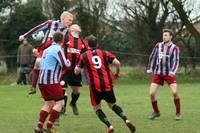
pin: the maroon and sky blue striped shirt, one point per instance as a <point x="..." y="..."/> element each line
<point x="164" y="59"/>
<point x="50" y="27"/>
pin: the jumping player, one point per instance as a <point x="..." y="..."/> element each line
<point x="73" y="50"/>
<point x="101" y="81"/>
<point x="165" y="60"/>
<point x="50" y="26"/>
<point x="53" y="60"/>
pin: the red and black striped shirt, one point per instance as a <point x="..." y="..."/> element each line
<point x="73" y="49"/>
<point x="97" y="66"/>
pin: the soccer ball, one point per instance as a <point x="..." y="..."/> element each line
<point x="62" y="82"/>
<point x="39" y="36"/>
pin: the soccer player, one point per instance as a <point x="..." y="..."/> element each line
<point x="101" y="81"/>
<point x="73" y="50"/>
<point x="50" y="26"/>
<point x="165" y="60"/>
<point x="53" y="60"/>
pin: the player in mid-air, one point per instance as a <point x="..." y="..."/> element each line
<point x="101" y="81"/>
<point x="51" y="64"/>
<point x="73" y="50"/>
<point x="165" y="60"/>
<point x="50" y="26"/>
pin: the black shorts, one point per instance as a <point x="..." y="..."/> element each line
<point x="96" y="97"/>
<point x="69" y="78"/>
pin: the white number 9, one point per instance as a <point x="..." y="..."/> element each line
<point x="97" y="61"/>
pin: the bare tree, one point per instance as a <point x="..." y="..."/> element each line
<point x="144" y="21"/>
<point x="91" y="16"/>
<point x="53" y="8"/>
<point x="193" y="47"/>
<point x="178" y="5"/>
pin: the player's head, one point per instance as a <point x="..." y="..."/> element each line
<point x="58" y="37"/>
<point x="75" y="30"/>
<point x="66" y="19"/>
<point x="167" y="35"/>
<point x="92" y="41"/>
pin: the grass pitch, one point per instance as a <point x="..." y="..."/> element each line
<point x="19" y="112"/>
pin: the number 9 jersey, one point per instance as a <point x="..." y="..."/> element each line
<point x="97" y="66"/>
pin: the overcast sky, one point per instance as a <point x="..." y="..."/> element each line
<point x="195" y="5"/>
<point x="191" y="4"/>
<point x="115" y="11"/>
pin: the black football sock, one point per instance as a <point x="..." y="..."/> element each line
<point x="103" y="117"/>
<point x="65" y="101"/>
<point x="119" y="112"/>
<point x="74" y="98"/>
<point x="65" y="97"/>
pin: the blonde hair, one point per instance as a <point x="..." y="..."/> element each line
<point x="66" y="14"/>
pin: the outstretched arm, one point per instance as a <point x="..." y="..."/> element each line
<point x="36" y="29"/>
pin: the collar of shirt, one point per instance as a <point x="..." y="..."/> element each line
<point x="54" y="43"/>
<point x="167" y="44"/>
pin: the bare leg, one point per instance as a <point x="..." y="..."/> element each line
<point x="153" y="91"/>
<point x="176" y="97"/>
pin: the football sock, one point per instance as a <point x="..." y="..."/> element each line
<point x="65" y="101"/>
<point x="74" y="98"/>
<point x="42" y="117"/>
<point x="155" y="106"/>
<point x="177" y="104"/>
<point x="118" y="110"/>
<point x="35" y="77"/>
<point x="103" y="117"/>
<point x="53" y="116"/>
<point x="65" y="98"/>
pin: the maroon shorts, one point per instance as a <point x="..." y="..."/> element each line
<point x="51" y="92"/>
<point x="159" y="79"/>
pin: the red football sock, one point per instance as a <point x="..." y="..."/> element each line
<point x="155" y="106"/>
<point x="53" y="116"/>
<point x="35" y="77"/>
<point x="42" y="118"/>
<point x="178" y="106"/>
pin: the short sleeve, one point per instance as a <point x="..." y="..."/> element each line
<point x="110" y="57"/>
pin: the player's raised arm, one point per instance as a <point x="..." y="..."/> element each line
<point x="152" y="59"/>
<point x="175" y="60"/>
<point x="36" y="29"/>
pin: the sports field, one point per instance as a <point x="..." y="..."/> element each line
<point x="19" y="112"/>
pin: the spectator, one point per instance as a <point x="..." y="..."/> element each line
<point x="24" y="60"/>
